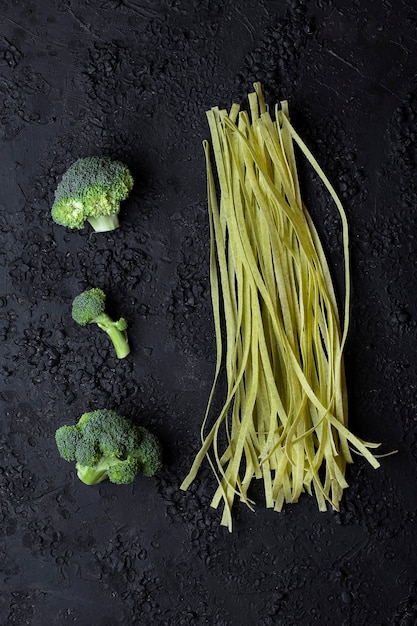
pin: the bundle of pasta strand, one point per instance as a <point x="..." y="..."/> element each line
<point x="279" y="337"/>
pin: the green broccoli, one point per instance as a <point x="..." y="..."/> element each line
<point x="89" y="307"/>
<point x="91" y="190"/>
<point x="106" y="445"/>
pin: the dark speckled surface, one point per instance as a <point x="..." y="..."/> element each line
<point x="133" y="79"/>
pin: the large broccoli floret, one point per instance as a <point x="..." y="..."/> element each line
<point x="91" y="190"/>
<point x="104" y="445"/>
<point x="89" y="307"/>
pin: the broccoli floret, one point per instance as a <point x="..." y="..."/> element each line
<point x="89" y="307"/>
<point x="91" y="190"/>
<point x="150" y="453"/>
<point x="105" y="445"/>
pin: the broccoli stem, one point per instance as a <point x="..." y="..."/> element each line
<point x="91" y="475"/>
<point x="104" y="223"/>
<point x="118" y="337"/>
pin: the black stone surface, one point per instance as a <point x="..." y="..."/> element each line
<point x="133" y="79"/>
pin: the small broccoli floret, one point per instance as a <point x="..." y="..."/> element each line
<point x="91" y="190"/>
<point x="89" y="308"/>
<point x="67" y="440"/>
<point x="149" y="454"/>
<point x="105" y="445"/>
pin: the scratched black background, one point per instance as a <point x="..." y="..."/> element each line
<point x="133" y="79"/>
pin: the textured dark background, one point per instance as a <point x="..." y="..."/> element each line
<point x="132" y="79"/>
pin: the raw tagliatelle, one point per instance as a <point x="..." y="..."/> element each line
<point x="278" y="333"/>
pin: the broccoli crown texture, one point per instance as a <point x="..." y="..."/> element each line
<point x="91" y="190"/>
<point x="106" y="445"/>
<point x="88" y="306"/>
<point x="150" y="452"/>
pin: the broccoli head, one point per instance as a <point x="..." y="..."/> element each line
<point x="91" y="190"/>
<point x="105" y="445"/>
<point x="89" y="308"/>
